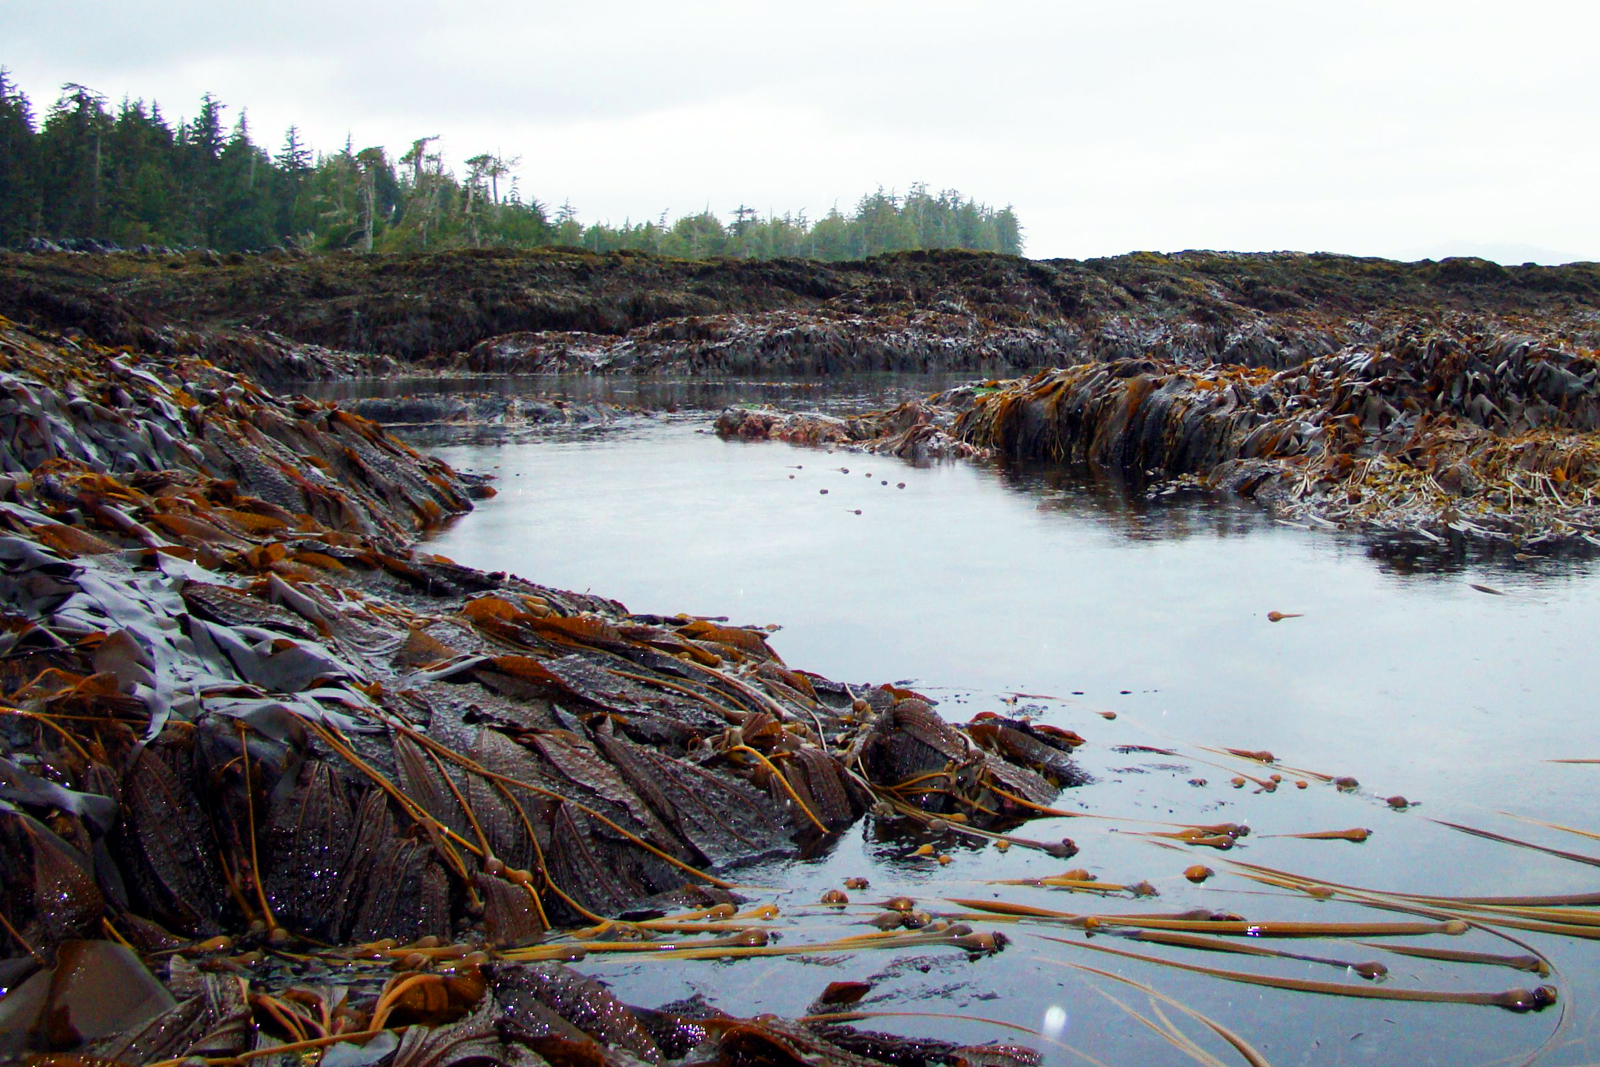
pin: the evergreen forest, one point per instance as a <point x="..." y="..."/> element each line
<point x="128" y="175"/>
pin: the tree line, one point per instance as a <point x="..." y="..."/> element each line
<point x="127" y="175"/>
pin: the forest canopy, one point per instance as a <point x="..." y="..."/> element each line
<point x="127" y="175"/>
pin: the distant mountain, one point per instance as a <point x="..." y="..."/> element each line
<point x="1505" y="253"/>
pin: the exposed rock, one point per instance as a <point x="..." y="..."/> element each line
<point x="915" y="431"/>
<point x="502" y="310"/>
<point x="812" y="343"/>
<point x="480" y="409"/>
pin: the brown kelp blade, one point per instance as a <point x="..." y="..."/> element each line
<point x="1593" y="861"/>
<point x="1266" y="784"/>
<point x="1553" y="826"/>
<point x="1245" y="1049"/>
<point x="1195" y="840"/>
<point x="1356" y="834"/>
<point x="1077" y="885"/>
<point x="1523" y="962"/>
<point x="1511" y="999"/>
<point x="755" y="942"/>
<point x="1163" y="1028"/>
<point x="1219" y="927"/>
<point x="1292" y="880"/>
<point x="1001" y="907"/>
<point x="1365" y="969"/>
<point x="1446" y="908"/>
<point x="1258" y="755"/>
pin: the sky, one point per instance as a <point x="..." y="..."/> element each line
<point x="1401" y="129"/>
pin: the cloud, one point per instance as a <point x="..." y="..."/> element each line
<point x="1363" y="127"/>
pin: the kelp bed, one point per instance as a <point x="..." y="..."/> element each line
<point x="257" y="742"/>
<point x="1459" y="425"/>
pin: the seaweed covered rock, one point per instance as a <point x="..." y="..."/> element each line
<point x="1461" y="425"/>
<point x="98" y="1001"/>
<point x="239" y="702"/>
<point x="819" y="342"/>
<point x="1446" y="426"/>
<point x="466" y="410"/>
<point x="504" y="310"/>
<point x="916" y="431"/>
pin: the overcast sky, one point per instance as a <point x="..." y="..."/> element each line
<point x="1403" y="129"/>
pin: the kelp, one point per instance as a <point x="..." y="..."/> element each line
<point x="100" y="1001"/>
<point x="1519" y="1000"/>
<point x="1436" y="426"/>
<point x="1470" y="425"/>
<point x="915" y="431"/>
<point x="275" y="734"/>
<point x="252" y="714"/>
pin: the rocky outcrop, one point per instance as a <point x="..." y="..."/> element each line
<point x="1436" y="428"/>
<point x="812" y="344"/>
<point x="482" y="409"/>
<point x="918" y="432"/>
<point x="1429" y="426"/>
<point x="501" y="310"/>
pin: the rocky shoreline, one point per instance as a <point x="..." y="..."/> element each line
<point x="519" y="312"/>
<point x="274" y="778"/>
<point x="248" y="719"/>
<point x="1444" y="398"/>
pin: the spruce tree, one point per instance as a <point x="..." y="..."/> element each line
<point x="19" y="165"/>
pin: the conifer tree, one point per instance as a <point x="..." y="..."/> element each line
<point x="134" y="178"/>
<point x="72" y="164"/>
<point x="19" y="165"/>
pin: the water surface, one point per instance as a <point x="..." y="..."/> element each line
<point x="995" y="588"/>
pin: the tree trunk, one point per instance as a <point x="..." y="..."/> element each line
<point x="368" y="195"/>
<point x="94" y="208"/>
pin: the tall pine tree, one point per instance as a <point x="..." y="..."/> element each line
<point x="19" y="165"/>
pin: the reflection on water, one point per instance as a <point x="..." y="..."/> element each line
<point x="1156" y="512"/>
<point x="978" y="582"/>
<point x="846" y="393"/>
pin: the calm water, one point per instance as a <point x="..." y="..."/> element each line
<point x="976" y="583"/>
<point x="656" y="393"/>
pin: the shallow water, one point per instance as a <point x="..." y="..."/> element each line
<point x="975" y="583"/>
<point x="655" y="393"/>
